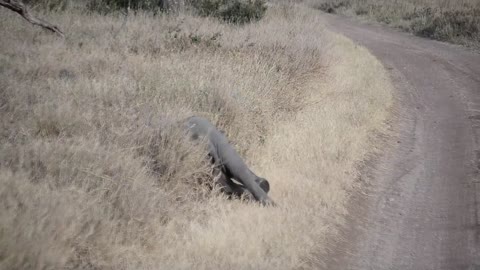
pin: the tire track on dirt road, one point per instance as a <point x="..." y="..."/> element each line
<point x="423" y="207"/>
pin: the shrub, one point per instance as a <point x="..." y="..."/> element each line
<point x="110" y="5"/>
<point x="361" y="10"/>
<point x="234" y="11"/>
<point x="452" y="21"/>
<point x="49" y="4"/>
<point x="242" y="12"/>
<point x="206" y="7"/>
<point x="447" y="25"/>
<point x="104" y="6"/>
<point x="331" y="7"/>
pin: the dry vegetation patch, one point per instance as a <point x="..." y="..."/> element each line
<point x="95" y="172"/>
<point x="456" y="21"/>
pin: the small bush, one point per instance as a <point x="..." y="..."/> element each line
<point x="234" y="11"/>
<point x="242" y="12"/>
<point x="447" y="26"/>
<point x="104" y="6"/>
<point x="111" y="5"/>
<point x="331" y="7"/>
<point x="452" y="21"/>
<point x="52" y="5"/>
<point x="207" y="7"/>
<point x="361" y="10"/>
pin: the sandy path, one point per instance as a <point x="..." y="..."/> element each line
<point x="422" y="210"/>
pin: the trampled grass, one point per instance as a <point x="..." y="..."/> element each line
<point x="95" y="172"/>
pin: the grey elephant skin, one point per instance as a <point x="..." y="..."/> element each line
<point x="228" y="163"/>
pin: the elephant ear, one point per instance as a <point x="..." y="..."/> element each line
<point x="263" y="183"/>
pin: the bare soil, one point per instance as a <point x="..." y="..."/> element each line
<point x="421" y="208"/>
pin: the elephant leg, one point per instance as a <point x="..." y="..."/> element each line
<point x="241" y="191"/>
<point x="231" y="188"/>
<point x="222" y="181"/>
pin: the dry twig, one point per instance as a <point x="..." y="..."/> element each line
<point x="20" y="8"/>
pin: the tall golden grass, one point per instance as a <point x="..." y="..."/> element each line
<point x="456" y="21"/>
<point x="95" y="172"/>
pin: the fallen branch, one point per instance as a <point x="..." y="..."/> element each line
<point x="20" y="8"/>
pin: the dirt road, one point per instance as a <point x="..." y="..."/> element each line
<point x="422" y="207"/>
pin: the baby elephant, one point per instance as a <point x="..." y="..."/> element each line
<point x="228" y="164"/>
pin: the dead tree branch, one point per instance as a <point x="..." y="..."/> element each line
<point x="20" y="8"/>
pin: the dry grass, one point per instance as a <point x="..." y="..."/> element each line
<point x="456" y="21"/>
<point x="95" y="173"/>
